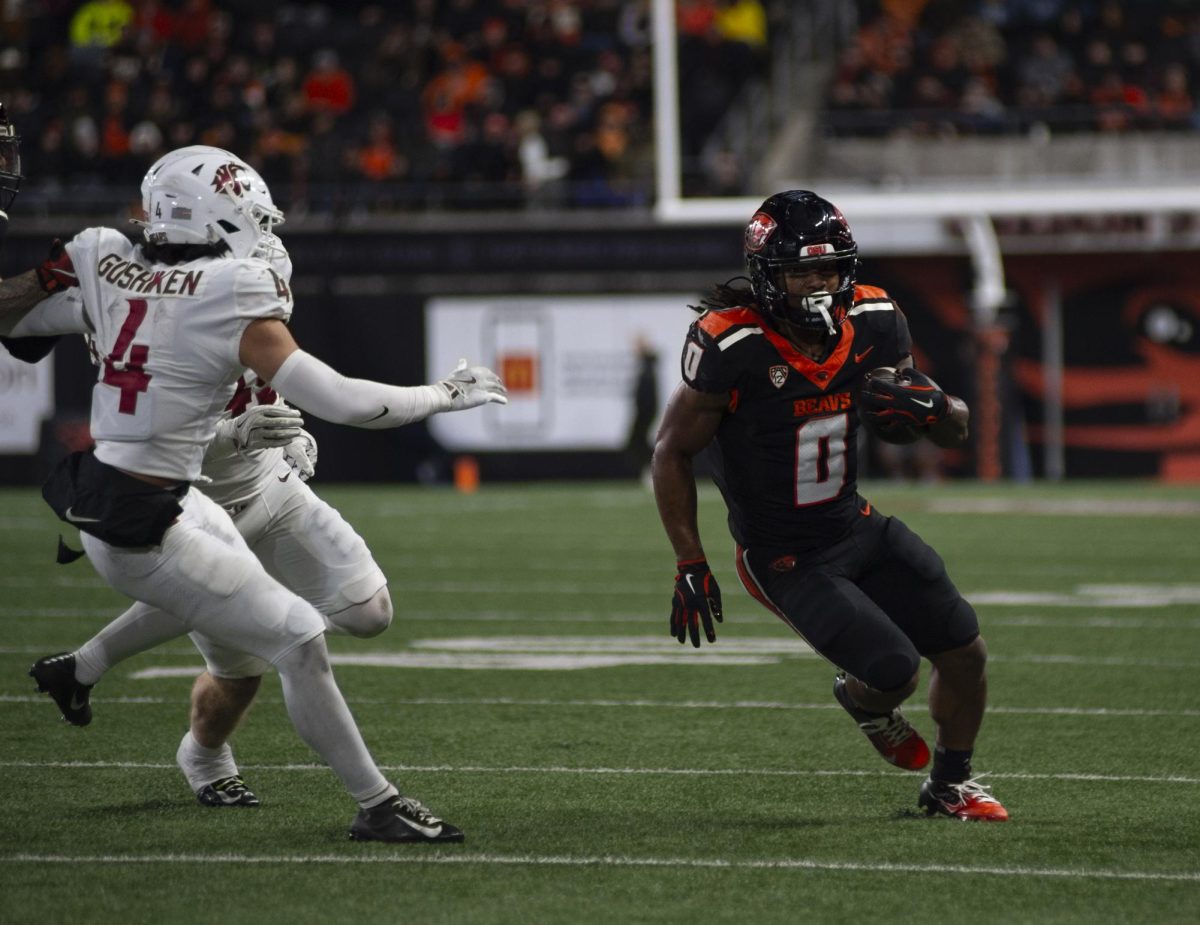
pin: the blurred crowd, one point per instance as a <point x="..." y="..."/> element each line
<point x="355" y="105"/>
<point x="945" y="67"/>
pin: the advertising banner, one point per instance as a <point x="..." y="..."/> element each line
<point x="583" y="372"/>
<point x="26" y="399"/>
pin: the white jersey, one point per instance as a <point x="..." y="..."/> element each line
<point x="168" y="339"/>
<point x="237" y="476"/>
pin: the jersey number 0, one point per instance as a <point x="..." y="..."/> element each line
<point x="821" y="459"/>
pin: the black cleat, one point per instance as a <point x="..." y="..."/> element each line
<point x="402" y="819"/>
<point x="228" y="791"/>
<point x="55" y="675"/>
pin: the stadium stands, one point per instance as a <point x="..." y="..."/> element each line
<point x="495" y="104"/>
<point x="354" y="106"/>
<point x="927" y="67"/>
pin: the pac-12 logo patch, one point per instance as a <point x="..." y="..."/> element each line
<point x="758" y="231"/>
<point x="778" y="376"/>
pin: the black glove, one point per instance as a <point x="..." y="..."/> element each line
<point x="57" y="272"/>
<point x="697" y="600"/>
<point x="909" y="399"/>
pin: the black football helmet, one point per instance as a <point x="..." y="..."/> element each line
<point x="799" y="229"/>
<point x="10" y="161"/>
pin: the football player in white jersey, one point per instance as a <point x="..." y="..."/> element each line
<point x="302" y="541"/>
<point x="176" y="320"/>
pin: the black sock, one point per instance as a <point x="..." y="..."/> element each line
<point x="951" y="766"/>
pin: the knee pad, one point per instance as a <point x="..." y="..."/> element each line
<point x="891" y="671"/>
<point x="370" y="618"/>
<point x="962" y="626"/>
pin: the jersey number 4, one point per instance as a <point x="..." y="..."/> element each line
<point x="128" y="375"/>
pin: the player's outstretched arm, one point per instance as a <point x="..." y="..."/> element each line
<point x="268" y="348"/>
<point x="19" y="295"/>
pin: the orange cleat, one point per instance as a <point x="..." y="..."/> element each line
<point x="968" y="801"/>
<point x="892" y="735"/>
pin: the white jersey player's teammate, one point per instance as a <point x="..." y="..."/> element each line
<point x="177" y="320"/>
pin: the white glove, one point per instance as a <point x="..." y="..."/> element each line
<point x="301" y="455"/>
<point x="262" y="426"/>
<point x="472" y="386"/>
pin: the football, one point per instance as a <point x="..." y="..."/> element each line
<point x="890" y="433"/>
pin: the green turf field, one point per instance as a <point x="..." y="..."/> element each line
<point x="529" y="692"/>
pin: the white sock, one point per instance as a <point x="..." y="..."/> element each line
<point x="321" y="717"/>
<point x="137" y="630"/>
<point x="202" y="766"/>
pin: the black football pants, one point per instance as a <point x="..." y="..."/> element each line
<point x="873" y="603"/>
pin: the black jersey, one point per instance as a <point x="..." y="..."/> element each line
<point x="785" y="454"/>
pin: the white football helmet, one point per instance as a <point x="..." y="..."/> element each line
<point x="203" y="195"/>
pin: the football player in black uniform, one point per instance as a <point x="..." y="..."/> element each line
<point x="775" y="377"/>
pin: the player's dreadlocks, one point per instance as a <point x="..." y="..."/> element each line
<point x="171" y="254"/>
<point x="726" y="295"/>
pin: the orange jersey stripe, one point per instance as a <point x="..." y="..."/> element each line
<point x="869" y="292"/>
<point x="716" y="323"/>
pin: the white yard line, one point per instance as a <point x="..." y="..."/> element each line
<point x="1092" y="596"/>
<point x="1070" y="507"/>
<point x="619" y="772"/>
<point x="646" y="619"/>
<point x="541" y="661"/>
<point x="1102" y="712"/>
<point x="526" y="860"/>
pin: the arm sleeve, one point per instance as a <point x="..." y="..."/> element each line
<point x="61" y="313"/>
<point x="321" y="390"/>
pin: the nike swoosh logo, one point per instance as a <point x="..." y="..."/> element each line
<point x="284" y="478"/>
<point x="76" y="703"/>
<point x="859" y="357"/>
<point x="927" y="403"/>
<point x="689" y="579"/>
<point x="866" y="511"/>
<point x="76" y="519"/>
<point x="427" y="831"/>
<point x="382" y="413"/>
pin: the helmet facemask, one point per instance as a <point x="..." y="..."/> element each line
<point x="823" y="310"/>
<point x="271" y="249"/>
